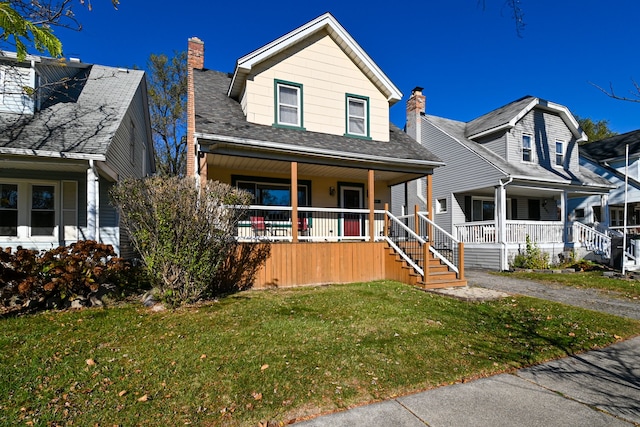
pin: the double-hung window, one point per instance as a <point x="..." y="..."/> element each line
<point x="288" y="104"/>
<point x="527" y="148"/>
<point x="559" y="153"/>
<point x="357" y="115"/>
<point x="43" y="210"/>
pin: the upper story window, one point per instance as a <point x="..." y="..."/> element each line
<point x="527" y="148"/>
<point x="357" y="115"/>
<point x="288" y="104"/>
<point x="559" y="153"/>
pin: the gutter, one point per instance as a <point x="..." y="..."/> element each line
<point x="52" y="154"/>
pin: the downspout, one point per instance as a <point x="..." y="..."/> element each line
<point x="504" y="260"/>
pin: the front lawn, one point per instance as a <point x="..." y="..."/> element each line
<point x="617" y="287"/>
<point x="273" y="355"/>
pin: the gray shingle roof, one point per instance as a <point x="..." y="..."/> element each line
<point x="612" y="148"/>
<point x="217" y="114"/>
<point x="83" y="123"/>
<point x="581" y="177"/>
<point x="498" y="117"/>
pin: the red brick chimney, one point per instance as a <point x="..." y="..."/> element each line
<point x="195" y="60"/>
<point x="416" y="105"/>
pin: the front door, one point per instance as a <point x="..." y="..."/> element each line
<point x="351" y="197"/>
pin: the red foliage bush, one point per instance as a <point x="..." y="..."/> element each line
<point x="64" y="273"/>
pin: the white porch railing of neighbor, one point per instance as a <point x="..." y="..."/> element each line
<point x="515" y="232"/>
<point x="590" y="238"/>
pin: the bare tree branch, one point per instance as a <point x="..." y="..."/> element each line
<point x="635" y="96"/>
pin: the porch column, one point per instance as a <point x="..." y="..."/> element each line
<point x="294" y="201"/>
<point x="93" y="203"/>
<point x="372" y="195"/>
<point x="604" y="210"/>
<point x="501" y="224"/>
<point x="563" y="217"/>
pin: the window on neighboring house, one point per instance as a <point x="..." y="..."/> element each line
<point x="483" y="210"/>
<point x="43" y="212"/>
<point x="8" y="210"/>
<point x="441" y="205"/>
<point x="288" y="104"/>
<point x="559" y="153"/>
<point x="35" y="209"/>
<point x="527" y="148"/>
<point x="357" y="115"/>
<point x="580" y="213"/>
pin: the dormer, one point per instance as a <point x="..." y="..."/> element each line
<point x="315" y="78"/>
<point x="17" y="86"/>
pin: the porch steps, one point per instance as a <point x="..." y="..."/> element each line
<point x="439" y="275"/>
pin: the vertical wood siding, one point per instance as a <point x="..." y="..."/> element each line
<point x="311" y="263"/>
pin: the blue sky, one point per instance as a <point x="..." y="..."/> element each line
<point x="469" y="59"/>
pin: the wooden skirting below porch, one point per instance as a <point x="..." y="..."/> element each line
<point x="315" y="263"/>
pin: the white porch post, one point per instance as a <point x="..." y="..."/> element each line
<point x="563" y="217"/>
<point x="604" y="210"/>
<point x="93" y="203"/>
<point x="501" y="224"/>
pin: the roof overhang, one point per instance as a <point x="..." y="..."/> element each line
<point x="51" y="154"/>
<point x="229" y="145"/>
<point x="326" y="22"/>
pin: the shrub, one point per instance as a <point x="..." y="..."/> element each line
<point x="183" y="233"/>
<point x="61" y="275"/>
<point x="532" y="257"/>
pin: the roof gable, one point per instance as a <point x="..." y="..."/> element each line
<point x="327" y="23"/>
<point x="506" y="117"/>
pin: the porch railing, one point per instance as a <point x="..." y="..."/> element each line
<point x="590" y="238"/>
<point x="313" y="224"/>
<point x="442" y="244"/>
<point x="515" y="232"/>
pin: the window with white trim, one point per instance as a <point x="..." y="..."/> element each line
<point x="288" y="104"/>
<point x="8" y="210"/>
<point x="357" y="115"/>
<point x="34" y="209"/>
<point x="559" y="153"/>
<point x="441" y="205"/>
<point x="527" y="148"/>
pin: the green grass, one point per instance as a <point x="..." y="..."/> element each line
<point x="617" y="287"/>
<point x="273" y="355"/>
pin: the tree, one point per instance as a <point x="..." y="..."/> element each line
<point x="595" y="130"/>
<point x="167" y="78"/>
<point x="26" y="23"/>
<point x="517" y="13"/>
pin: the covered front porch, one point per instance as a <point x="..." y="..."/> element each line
<point x="501" y="221"/>
<point x="337" y="227"/>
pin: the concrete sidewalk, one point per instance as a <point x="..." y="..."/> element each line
<point x="597" y="388"/>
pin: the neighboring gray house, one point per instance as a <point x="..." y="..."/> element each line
<point x="69" y="130"/>
<point x="607" y="158"/>
<point x="509" y="175"/>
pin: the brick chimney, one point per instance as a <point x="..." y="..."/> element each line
<point x="195" y="60"/>
<point x="416" y="105"/>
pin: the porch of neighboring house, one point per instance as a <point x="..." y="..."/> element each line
<point x="337" y="228"/>
<point x="498" y="227"/>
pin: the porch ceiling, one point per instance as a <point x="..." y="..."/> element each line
<point x="304" y="169"/>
